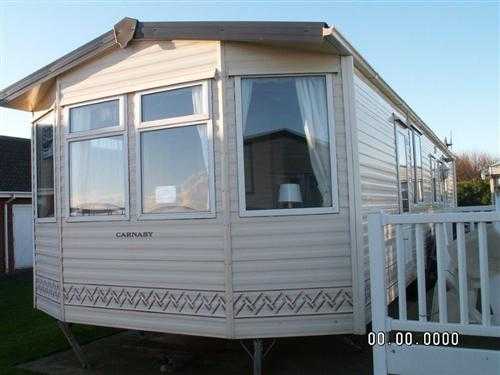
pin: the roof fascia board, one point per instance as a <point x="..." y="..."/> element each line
<point x="311" y="32"/>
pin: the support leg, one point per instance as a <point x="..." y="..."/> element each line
<point x="74" y="344"/>
<point x="257" y="357"/>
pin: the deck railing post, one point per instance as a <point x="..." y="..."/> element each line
<point x="378" y="288"/>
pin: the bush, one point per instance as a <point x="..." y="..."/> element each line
<point x="473" y="193"/>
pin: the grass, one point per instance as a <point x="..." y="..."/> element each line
<point x="27" y="334"/>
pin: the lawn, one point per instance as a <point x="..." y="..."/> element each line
<point x="27" y="334"/>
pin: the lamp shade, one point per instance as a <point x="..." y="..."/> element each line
<point x="290" y="193"/>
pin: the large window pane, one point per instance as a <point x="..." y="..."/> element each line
<point x="286" y="143"/>
<point x="94" y="116"/>
<point x="175" y="170"/>
<point x="173" y="103"/>
<point x="97" y="177"/>
<point x="45" y="170"/>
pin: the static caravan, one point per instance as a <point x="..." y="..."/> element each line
<point x="214" y="178"/>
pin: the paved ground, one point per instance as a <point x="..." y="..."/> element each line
<point x="135" y="353"/>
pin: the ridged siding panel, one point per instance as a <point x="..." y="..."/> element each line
<point x="291" y="274"/>
<point x="47" y="269"/>
<point x="140" y="66"/>
<point x="174" y="281"/>
<point x="378" y="173"/>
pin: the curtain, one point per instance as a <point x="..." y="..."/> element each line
<point x="202" y="132"/>
<point x="246" y="99"/>
<point x="95" y="116"/>
<point x="80" y="119"/>
<point x="97" y="176"/>
<point x="197" y="99"/>
<point x="313" y="108"/>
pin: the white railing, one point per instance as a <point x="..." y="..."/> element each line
<point x="469" y="246"/>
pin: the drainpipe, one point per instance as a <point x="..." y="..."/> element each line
<point x="6" y="231"/>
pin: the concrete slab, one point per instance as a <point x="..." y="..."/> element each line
<point x="132" y="352"/>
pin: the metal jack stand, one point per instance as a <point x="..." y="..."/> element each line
<point x="258" y="354"/>
<point x="74" y="344"/>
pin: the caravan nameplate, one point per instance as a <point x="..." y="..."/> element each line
<point x="125" y="235"/>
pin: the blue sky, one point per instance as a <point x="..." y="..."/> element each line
<point x="442" y="57"/>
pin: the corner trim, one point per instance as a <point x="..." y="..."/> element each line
<point x="355" y="204"/>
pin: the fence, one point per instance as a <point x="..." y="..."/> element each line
<point x="456" y="247"/>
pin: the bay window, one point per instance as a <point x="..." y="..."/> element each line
<point x="44" y="166"/>
<point x="97" y="164"/>
<point x="285" y="149"/>
<point x="175" y="178"/>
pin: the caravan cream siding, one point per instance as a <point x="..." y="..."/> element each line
<point x="140" y="66"/>
<point x="47" y="269"/>
<point x="291" y="274"/>
<point x="378" y="174"/>
<point x="175" y="281"/>
<point x="47" y="251"/>
<point x="377" y="166"/>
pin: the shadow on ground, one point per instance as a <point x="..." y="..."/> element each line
<point x="132" y="352"/>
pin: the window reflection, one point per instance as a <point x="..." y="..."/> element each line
<point x="94" y="116"/>
<point x="286" y="142"/>
<point x="402" y="150"/>
<point x="45" y="170"/>
<point x="172" y="103"/>
<point x="97" y="177"/>
<point x="175" y="173"/>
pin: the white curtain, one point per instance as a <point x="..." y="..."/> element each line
<point x="80" y="119"/>
<point x="197" y="98"/>
<point x="202" y="132"/>
<point x="313" y="108"/>
<point x="246" y="99"/>
<point x="94" y="116"/>
<point x="97" y="175"/>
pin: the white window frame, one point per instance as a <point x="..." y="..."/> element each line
<point x="435" y="183"/>
<point x="400" y="127"/>
<point x="171" y="123"/>
<point x="122" y="114"/>
<point x="112" y="131"/>
<point x="203" y="117"/>
<point x="416" y="135"/>
<point x="40" y="120"/>
<point x="334" y="209"/>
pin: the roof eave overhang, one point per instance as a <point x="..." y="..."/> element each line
<point x="25" y="93"/>
<point x="337" y="39"/>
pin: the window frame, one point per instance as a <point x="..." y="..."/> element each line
<point x="48" y="219"/>
<point x="419" y="180"/>
<point x="334" y="208"/>
<point x="112" y="131"/>
<point x="171" y="123"/>
<point x="401" y="128"/>
<point x="122" y="113"/>
<point x="435" y="179"/>
<point x="203" y="117"/>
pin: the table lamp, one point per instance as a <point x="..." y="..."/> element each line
<point x="290" y="194"/>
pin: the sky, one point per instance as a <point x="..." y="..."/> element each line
<point x="441" y="57"/>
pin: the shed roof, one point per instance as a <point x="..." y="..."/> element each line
<point x="25" y="93"/>
<point x="15" y="175"/>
